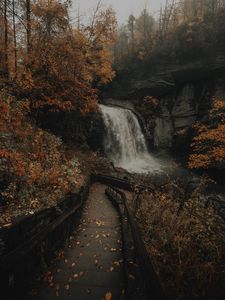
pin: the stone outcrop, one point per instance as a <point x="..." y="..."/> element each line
<point x="184" y="93"/>
<point x="178" y="112"/>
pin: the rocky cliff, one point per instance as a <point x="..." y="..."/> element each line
<point x="185" y="93"/>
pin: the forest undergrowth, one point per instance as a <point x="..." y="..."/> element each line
<point x="48" y="65"/>
<point x="35" y="170"/>
<point x="184" y="236"/>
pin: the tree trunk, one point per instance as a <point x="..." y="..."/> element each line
<point x="14" y="39"/>
<point x="6" y="59"/>
<point x="28" y="16"/>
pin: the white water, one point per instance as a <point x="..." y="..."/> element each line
<point x="125" y="143"/>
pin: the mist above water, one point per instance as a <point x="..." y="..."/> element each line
<point x="125" y="143"/>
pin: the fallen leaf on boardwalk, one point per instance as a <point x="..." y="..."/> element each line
<point x="61" y="254"/>
<point x="81" y="274"/>
<point x="108" y="296"/>
<point x="99" y="223"/>
<point x="48" y="277"/>
<point x="66" y="261"/>
<point x="131" y="276"/>
<point x="75" y="276"/>
<point x="7" y="225"/>
<point x="67" y="287"/>
<point x="96" y="262"/>
<point x="113" y="250"/>
<point x="111" y="269"/>
<point x="34" y="292"/>
<point x="122" y="297"/>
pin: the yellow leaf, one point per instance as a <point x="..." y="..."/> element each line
<point x="108" y="296"/>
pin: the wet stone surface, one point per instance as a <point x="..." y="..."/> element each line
<point x="91" y="265"/>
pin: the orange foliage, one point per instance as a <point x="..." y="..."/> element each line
<point x="32" y="159"/>
<point x="59" y="69"/>
<point x="152" y="102"/>
<point x="65" y="65"/>
<point x="209" y="143"/>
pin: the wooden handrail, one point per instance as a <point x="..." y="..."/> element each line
<point x="9" y="259"/>
<point x="151" y="282"/>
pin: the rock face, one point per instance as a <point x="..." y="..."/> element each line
<point x="95" y="132"/>
<point x="163" y="132"/>
<point x="178" y="112"/>
<point x="185" y="94"/>
<point x="184" y="111"/>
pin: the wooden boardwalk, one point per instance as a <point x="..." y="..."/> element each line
<point x="91" y="265"/>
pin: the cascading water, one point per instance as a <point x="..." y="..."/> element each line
<point x="125" y="143"/>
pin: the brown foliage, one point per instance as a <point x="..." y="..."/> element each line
<point x="32" y="161"/>
<point x="62" y="65"/>
<point x="209" y="143"/>
<point x="186" y="244"/>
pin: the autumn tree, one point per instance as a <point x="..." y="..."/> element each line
<point x="48" y="67"/>
<point x="135" y="39"/>
<point x="28" y="24"/>
<point x="12" y="25"/>
<point x="121" y="48"/>
<point x="131" y="28"/>
<point x="32" y="161"/>
<point x="55" y="60"/>
<point x="66" y="65"/>
<point x="4" y="38"/>
<point x="145" y="32"/>
<point x="209" y="143"/>
<point x="185" y="30"/>
<point x="101" y="34"/>
<point x="14" y="36"/>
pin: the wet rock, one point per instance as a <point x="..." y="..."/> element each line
<point x="185" y="94"/>
<point x="95" y="132"/>
<point x="163" y="132"/>
<point x="184" y="112"/>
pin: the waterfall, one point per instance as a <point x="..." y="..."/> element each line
<point x="124" y="141"/>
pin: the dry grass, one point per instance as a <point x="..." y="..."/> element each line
<point x="187" y="244"/>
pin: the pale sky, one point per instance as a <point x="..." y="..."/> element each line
<point x="123" y="8"/>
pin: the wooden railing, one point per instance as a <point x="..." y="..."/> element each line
<point x="29" y="242"/>
<point x="150" y="282"/>
<point x="35" y="237"/>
